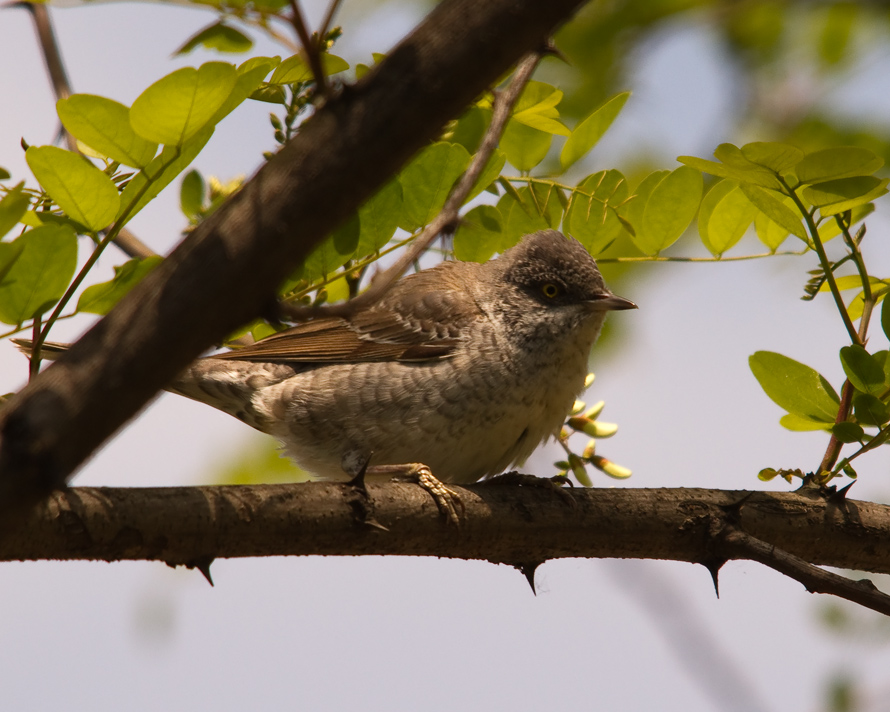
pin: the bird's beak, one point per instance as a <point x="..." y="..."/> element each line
<point x="610" y="302"/>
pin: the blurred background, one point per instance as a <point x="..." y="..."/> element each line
<point x="400" y="633"/>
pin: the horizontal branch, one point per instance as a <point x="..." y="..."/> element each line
<point x="225" y="273"/>
<point x="503" y="524"/>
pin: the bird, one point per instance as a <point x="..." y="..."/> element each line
<point x="457" y="373"/>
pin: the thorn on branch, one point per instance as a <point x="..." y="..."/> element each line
<point x="713" y="566"/>
<point x="838" y="496"/>
<point x="528" y="570"/>
<point x="203" y="565"/>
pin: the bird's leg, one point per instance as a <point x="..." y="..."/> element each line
<point x="447" y="500"/>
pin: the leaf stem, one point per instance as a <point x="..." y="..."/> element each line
<point x="823" y="260"/>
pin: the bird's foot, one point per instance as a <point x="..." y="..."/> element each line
<point x="447" y="500"/>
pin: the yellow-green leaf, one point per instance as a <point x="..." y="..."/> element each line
<point x="724" y="217"/>
<point x="772" y="205"/>
<point x="670" y="208"/>
<point x="838" y="162"/>
<point x="175" y="108"/>
<point x="12" y="207"/>
<point x="84" y="192"/>
<point x="104" y="126"/>
<point x="40" y="275"/>
<point x="587" y="133"/>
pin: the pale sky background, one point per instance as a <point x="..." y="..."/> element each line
<point x="406" y="634"/>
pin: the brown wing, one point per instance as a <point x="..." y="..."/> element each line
<point x="422" y="317"/>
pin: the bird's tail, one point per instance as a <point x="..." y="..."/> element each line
<point x="223" y="384"/>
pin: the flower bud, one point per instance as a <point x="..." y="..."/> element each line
<point x="610" y="468"/>
<point x="579" y="470"/>
<point x="595" y="410"/>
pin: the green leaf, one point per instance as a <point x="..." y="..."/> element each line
<point x="752" y="174"/>
<point x="778" y="157"/>
<point x="848" y="432"/>
<point x="524" y="146"/>
<point x="157" y="175"/>
<point x="219" y="37"/>
<point x="838" y="196"/>
<point x="470" y="128"/>
<point x="333" y="252"/>
<point x="800" y="424"/>
<point x="870" y="410"/>
<point x="839" y="162"/>
<point x="863" y="370"/>
<point x="295" y="69"/>
<point x="519" y="218"/>
<point x="588" y="219"/>
<point x="724" y="217"/>
<point x="772" y="205"/>
<point x="670" y="208"/>
<point x="795" y="387"/>
<point x="191" y="194"/>
<point x="100" y="298"/>
<point x="84" y="192"/>
<point x="427" y="180"/>
<point x="479" y="235"/>
<point x="104" y="126"/>
<point x="250" y="76"/>
<point x="12" y="207"/>
<point x="489" y="174"/>
<point x="269" y="93"/>
<point x="633" y="209"/>
<point x="885" y="317"/>
<point x="40" y="275"/>
<point x="379" y="217"/>
<point x="539" y="96"/>
<point x="175" y="108"/>
<point x="591" y="130"/>
<point x="542" y="123"/>
<point x="4" y="174"/>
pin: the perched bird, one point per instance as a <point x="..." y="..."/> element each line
<point x="464" y="368"/>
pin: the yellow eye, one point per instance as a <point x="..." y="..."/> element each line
<point x="550" y="290"/>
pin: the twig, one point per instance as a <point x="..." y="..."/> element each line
<point x="823" y="260"/>
<point x="131" y="245"/>
<point x="448" y="216"/>
<point x="51" y="57"/>
<point x="814" y="579"/>
<point x="313" y="56"/>
<point x="834" y="445"/>
<point x="662" y="258"/>
<point x="328" y="19"/>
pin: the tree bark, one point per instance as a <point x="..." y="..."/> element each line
<point x="502" y="524"/>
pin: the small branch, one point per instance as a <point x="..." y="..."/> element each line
<point x="449" y="215"/>
<point x="34" y="363"/>
<point x="328" y="19"/>
<point x="46" y="36"/>
<point x="823" y="260"/>
<point x="814" y="579"/>
<point x="834" y="445"/>
<point x="313" y="56"/>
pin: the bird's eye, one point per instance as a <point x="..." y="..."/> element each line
<point x="550" y="290"/>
